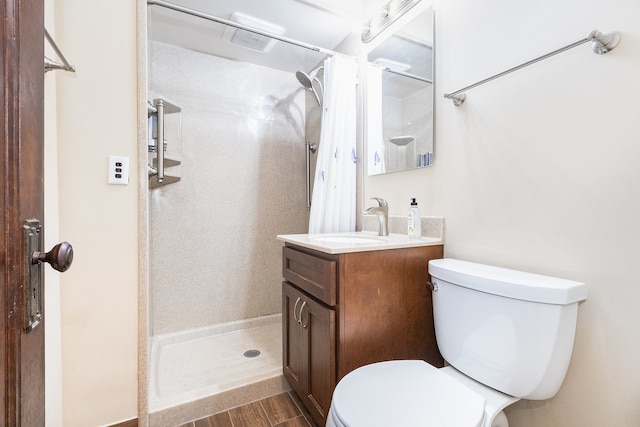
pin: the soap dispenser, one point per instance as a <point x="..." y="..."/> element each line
<point x="414" y="222"/>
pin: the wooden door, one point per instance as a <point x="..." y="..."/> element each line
<point x="21" y="168"/>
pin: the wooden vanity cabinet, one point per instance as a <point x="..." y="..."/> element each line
<point x="343" y="311"/>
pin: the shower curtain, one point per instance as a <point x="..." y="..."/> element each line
<point x="333" y="203"/>
<point x="375" y="140"/>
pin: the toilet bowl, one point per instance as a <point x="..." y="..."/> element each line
<point x="481" y="314"/>
<point x="412" y="393"/>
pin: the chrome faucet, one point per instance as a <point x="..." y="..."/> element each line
<point x="382" y="211"/>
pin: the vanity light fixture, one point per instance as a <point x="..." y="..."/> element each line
<point x="389" y="14"/>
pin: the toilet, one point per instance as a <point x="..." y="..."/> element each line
<point x="506" y="335"/>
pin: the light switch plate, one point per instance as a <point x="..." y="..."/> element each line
<point x="118" y="170"/>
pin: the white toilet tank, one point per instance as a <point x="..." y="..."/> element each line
<point x="507" y="329"/>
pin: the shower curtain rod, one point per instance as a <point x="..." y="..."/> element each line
<point x="409" y="75"/>
<point x="223" y="21"/>
<point x="602" y="43"/>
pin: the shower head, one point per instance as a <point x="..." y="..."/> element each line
<point x="304" y="79"/>
<point x="307" y="80"/>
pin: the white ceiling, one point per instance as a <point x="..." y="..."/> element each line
<point x="323" y="23"/>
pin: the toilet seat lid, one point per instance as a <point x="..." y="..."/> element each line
<point x="405" y="393"/>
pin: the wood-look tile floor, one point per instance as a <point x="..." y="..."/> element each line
<point x="281" y="410"/>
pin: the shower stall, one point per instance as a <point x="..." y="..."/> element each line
<point x="211" y="287"/>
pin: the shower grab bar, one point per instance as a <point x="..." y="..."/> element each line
<point x="160" y="141"/>
<point x="602" y="43"/>
<point x="50" y="65"/>
<point x="240" y="26"/>
<point x="159" y="108"/>
<point x="309" y="148"/>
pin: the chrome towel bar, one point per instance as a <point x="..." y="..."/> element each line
<point x="602" y="43"/>
<point x="53" y="65"/>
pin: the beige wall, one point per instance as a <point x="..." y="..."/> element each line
<point x="538" y="171"/>
<point x="96" y="117"/>
<point x="53" y="353"/>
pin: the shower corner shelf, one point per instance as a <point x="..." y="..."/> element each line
<point x="168" y="163"/>
<point x="168" y="179"/>
<point x="158" y="109"/>
<point x="169" y="108"/>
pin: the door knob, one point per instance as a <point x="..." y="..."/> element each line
<point x="59" y="257"/>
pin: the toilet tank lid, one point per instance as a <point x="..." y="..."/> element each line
<point x="508" y="283"/>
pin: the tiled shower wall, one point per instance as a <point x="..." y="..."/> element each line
<point x="214" y="256"/>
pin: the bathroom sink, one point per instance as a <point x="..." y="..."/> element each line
<point x="347" y="238"/>
<point x="357" y="241"/>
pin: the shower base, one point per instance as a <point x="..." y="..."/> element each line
<point x="211" y="369"/>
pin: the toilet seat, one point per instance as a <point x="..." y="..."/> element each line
<point x="403" y="393"/>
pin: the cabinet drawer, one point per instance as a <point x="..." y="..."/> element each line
<point x="314" y="275"/>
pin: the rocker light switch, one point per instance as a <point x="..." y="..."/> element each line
<point x="118" y="170"/>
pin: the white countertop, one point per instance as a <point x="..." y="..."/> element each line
<point x="360" y="241"/>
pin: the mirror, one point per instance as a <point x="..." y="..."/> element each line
<point x="399" y="95"/>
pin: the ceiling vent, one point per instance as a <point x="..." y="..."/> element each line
<point x="247" y="39"/>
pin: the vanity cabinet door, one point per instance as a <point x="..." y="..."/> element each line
<point x="292" y="337"/>
<point x="318" y="323"/>
<point x="309" y="350"/>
